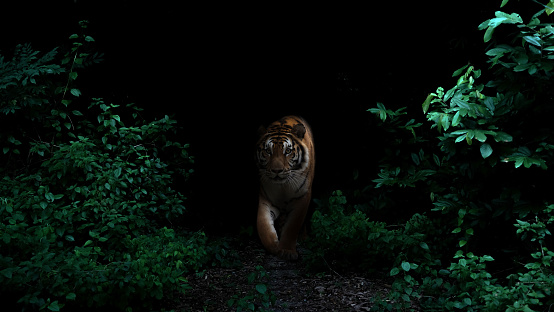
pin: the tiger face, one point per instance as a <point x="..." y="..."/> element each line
<point x="278" y="157"/>
<point x="281" y="155"/>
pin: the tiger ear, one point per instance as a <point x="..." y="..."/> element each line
<point x="261" y="131"/>
<point x="299" y="131"/>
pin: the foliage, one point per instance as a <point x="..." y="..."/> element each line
<point x="344" y="233"/>
<point x="258" y="299"/>
<point x="87" y="199"/>
<point x="457" y="186"/>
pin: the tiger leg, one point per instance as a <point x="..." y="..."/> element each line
<point x="292" y="228"/>
<point x="267" y="214"/>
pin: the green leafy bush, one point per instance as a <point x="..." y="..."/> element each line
<point x="87" y="200"/>
<point x="344" y="234"/>
<point x="258" y="299"/>
<point x="473" y="187"/>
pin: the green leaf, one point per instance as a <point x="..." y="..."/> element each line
<point x="487" y="258"/>
<point x="7" y="272"/>
<point x="405" y="266"/>
<point x="480" y="136"/>
<point x="459" y="71"/>
<point x="461" y="138"/>
<point x="383" y="115"/>
<point x="54" y="306"/>
<point x="261" y="288"/>
<point x="394" y="271"/>
<point x="76" y="92"/>
<point x="415" y="159"/>
<point x="501" y="18"/>
<point x="427" y="103"/>
<point x="5" y="150"/>
<point x="532" y="70"/>
<point x="73" y="75"/>
<point x="230" y="302"/>
<point x="456" y="119"/>
<point x="484" y="24"/>
<point x="549" y="8"/>
<point x="521" y="58"/>
<point x="444" y="121"/>
<point x="89" y="39"/>
<point x="424" y="245"/>
<point x="77" y="113"/>
<point x="489" y="103"/>
<point x="449" y="93"/>
<point x="504" y="2"/>
<point x="495" y="22"/>
<point x="486" y="150"/>
<point x="117" y="172"/>
<point x="462" y="243"/>
<point x="488" y="34"/>
<point x="497" y="51"/>
<point x="437" y="160"/>
<point x="502" y="137"/>
<point x="71" y="296"/>
<point x="532" y="40"/>
<point x="513" y="18"/>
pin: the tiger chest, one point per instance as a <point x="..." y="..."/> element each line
<point x="281" y="196"/>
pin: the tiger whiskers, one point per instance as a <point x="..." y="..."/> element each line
<point x="294" y="179"/>
<point x="291" y="178"/>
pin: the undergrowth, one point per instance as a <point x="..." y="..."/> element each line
<point x="88" y="202"/>
<point x="460" y="214"/>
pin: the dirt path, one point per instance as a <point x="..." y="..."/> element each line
<point x="297" y="291"/>
<point x="286" y="282"/>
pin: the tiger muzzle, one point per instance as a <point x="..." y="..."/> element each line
<point x="277" y="174"/>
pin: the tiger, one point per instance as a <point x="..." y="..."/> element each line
<point x="286" y="161"/>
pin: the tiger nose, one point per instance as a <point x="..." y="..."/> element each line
<point x="276" y="170"/>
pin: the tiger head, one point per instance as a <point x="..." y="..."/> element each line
<point x="281" y="153"/>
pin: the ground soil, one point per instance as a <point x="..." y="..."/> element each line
<point x="291" y="286"/>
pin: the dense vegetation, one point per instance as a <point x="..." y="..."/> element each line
<point x="87" y="202"/>
<point x="458" y="217"/>
<point x="469" y="193"/>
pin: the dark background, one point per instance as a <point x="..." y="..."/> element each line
<point x="225" y="70"/>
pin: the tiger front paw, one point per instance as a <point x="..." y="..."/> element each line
<point x="288" y="254"/>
